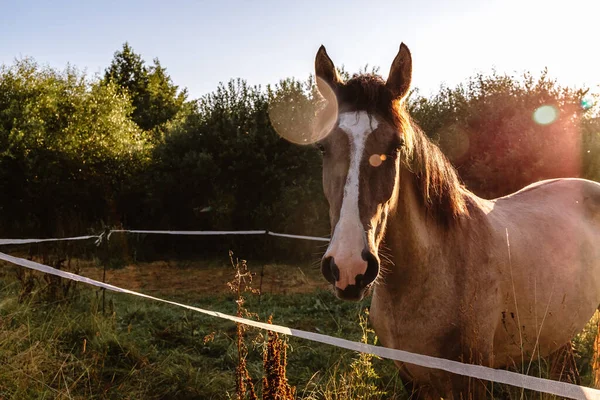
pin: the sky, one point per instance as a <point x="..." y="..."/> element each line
<point x="202" y="43"/>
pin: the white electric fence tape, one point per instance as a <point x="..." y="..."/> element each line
<point x="565" y="390"/>
<point x="322" y="239"/>
<point x="26" y="241"/>
<point x="261" y="232"/>
<point x="100" y="237"/>
<point x="192" y="233"/>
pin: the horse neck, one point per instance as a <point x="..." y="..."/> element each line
<point x="412" y="232"/>
<point x="419" y="241"/>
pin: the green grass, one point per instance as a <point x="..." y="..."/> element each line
<point x="140" y="349"/>
<point x="144" y="349"/>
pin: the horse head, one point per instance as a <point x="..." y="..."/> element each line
<point x="361" y="163"/>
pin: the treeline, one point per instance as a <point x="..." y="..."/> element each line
<point x="130" y="149"/>
<point x="504" y="133"/>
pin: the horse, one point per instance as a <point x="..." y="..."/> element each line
<point x="492" y="282"/>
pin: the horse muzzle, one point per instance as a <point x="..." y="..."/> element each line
<point x="351" y="278"/>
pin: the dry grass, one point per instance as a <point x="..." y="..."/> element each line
<point x="175" y="278"/>
<point x="67" y="348"/>
<point x="275" y="384"/>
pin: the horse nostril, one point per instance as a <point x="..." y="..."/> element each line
<point x="334" y="269"/>
<point x="330" y="271"/>
<point x="372" y="267"/>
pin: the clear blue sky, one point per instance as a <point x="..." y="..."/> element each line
<point x="204" y="42"/>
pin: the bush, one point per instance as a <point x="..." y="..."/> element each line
<point x="503" y="133"/>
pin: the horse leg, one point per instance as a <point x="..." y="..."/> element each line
<point x="420" y="392"/>
<point x="415" y="390"/>
<point x="450" y="386"/>
<point x="454" y="387"/>
<point x="412" y="389"/>
<point x="467" y="388"/>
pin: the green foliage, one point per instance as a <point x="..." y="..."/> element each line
<point x="144" y="349"/>
<point x="222" y="166"/>
<point x="155" y="99"/>
<point x="129" y="149"/>
<point x="147" y="350"/>
<point x="65" y="145"/>
<point x="74" y="154"/>
<point x="360" y="380"/>
<point x="583" y="346"/>
<point x="487" y="127"/>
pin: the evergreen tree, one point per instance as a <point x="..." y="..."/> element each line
<point x="156" y="100"/>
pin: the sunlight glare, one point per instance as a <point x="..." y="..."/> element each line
<point x="545" y="115"/>
<point x="587" y="102"/>
<point x="301" y="120"/>
<point x="377" y="159"/>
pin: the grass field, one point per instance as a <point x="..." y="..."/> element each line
<point x="57" y="345"/>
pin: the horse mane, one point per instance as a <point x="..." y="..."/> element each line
<point x="436" y="179"/>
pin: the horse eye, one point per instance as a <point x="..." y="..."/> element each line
<point x="399" y="145"/>
<point x="396" y="149"/>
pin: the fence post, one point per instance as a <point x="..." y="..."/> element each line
<point x="262" y="268"/>
<point x="104" y="259"/>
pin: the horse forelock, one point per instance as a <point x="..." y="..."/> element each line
<point x="436" y="179"/>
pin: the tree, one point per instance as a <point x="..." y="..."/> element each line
<point x="165" y="99"/>
<point x="222" y="166"/>
<point x="65" y="145"/>
<point x="156" y="100"/>
<point x="503" y="134"/>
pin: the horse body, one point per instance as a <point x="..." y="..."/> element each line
<point x="494" y="282"/>
<point x="517" y="279"/>
<point x="553" y="228"/>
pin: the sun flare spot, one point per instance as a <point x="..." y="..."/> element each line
<point x="587" y="102"/>
<point x="377" y="159"/>
<point x="545" y="115"/>
<point x="301" y="121"/>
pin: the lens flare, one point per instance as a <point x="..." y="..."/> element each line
<point x="455" y="141"/>
<point x="587" y="102"/>
<point x="545" y="115"/>
<point x="300" y="120"/>
<point x="377" y="159"/>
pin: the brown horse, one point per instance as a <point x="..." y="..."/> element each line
<point x="494" y="282"/>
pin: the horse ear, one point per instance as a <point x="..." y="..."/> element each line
<point x="401" y="73"/>
<point x="326" y="72"/>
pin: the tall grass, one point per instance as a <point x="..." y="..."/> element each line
<point x="57" y="344"/>
<point x="68" y="348"/>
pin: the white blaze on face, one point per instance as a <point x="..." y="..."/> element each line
<point x="349" y="237"/>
